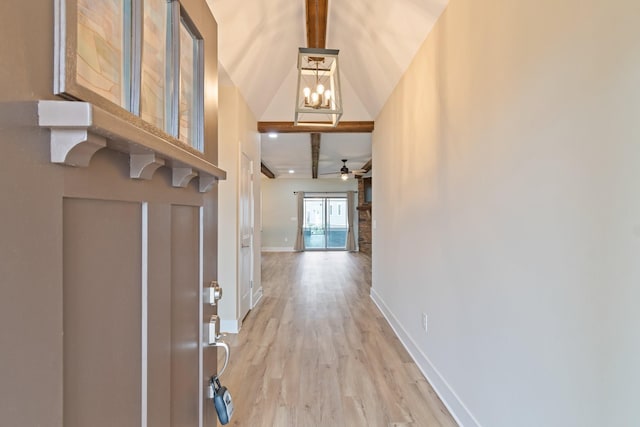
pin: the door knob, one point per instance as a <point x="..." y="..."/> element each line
<point x="213" y="293"/>
<point x="213" y="338"/>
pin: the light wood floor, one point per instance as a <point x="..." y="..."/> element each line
<point x="317" y="352"/>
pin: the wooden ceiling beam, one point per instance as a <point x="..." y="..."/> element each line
<point x="367" y="166"/>
<point x="317" y="23"/>
<point x="342" y="127"/>
<point x="315" y="154"/>
<point x="317" y="11"/>
<point x="266" y="171"/>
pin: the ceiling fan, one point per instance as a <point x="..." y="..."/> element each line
<point x="344" y="171"/>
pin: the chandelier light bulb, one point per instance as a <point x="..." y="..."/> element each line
<point x="306" y="91"/>
<point x="320" y="88"/>
<point x="315" y="98"/>
<point x="327" y="97"/>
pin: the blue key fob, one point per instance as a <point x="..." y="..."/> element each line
<point x="222" y="401"/>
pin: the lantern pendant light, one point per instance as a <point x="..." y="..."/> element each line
<point x="318" y="96"/>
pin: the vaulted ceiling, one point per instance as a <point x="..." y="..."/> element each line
<point x="377" y="39"/>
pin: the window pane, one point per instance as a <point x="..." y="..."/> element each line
<point x="314" y="226"/>
<point x="337" y="224"/>
<point x="186" y="122"/>
<point x="154" y="59"/>
<point x="100" y="49"/>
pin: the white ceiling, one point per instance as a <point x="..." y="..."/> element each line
<point x="258" y="46"/>
<point x="292" y="151"/>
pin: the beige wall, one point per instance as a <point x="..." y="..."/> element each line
<point x="279" y="211"/>
<point x="30" y="292"/>
<point x="238" y="134"/>
<point x="513" y="219"/>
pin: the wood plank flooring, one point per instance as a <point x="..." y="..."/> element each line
<point x="316" y="351"/>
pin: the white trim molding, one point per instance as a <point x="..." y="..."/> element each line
<point x="206" y="181"/>
<point x="143" y="166"/>
<point x="451" y="400"/>
<point x="80" y="129"/>
<point x="231" y="326"/>
<point x="182" y="176"/>
<point x="276" y="249"/>
<point x="144" y="328"/>
<point x="257" y="297"/>
<point x="74" y="147"/>
<point x="201" y="344"/>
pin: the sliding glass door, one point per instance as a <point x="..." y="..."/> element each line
<point x="337" y="223"/>
<point x="314" y="224"/>
<point x="325" y="223"/>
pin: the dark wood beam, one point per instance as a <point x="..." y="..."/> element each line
<point x="367" y="166"/>
<point x="266" y="171"/>
<point x="317" y="23"/>
<point x="342" y="127"/>
<point x="315" y="154"/>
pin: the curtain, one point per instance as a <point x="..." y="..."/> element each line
<point x="351" y="240"/>
<point x="299" y="246"/>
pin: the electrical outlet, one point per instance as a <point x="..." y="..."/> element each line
<point x="425" y="324"/>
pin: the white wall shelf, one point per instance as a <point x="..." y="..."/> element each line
<point x="80" y="129"/>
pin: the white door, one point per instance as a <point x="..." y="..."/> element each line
<point x="246" y="236"/>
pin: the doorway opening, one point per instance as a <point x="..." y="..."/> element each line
<point x="325" y="223"/>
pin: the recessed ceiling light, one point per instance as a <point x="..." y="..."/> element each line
<point x="273" y="135"/>
<point x="292" y="171"/>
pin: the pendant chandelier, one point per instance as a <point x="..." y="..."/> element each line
<point x="318" y="98"/>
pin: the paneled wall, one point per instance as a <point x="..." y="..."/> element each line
<point x="100" y="274"/>
<point x="102" y="312"/>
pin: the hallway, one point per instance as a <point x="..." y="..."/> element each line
<point x="317" y="352"/>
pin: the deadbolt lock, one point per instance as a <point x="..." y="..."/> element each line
<point x="213" y="293"/>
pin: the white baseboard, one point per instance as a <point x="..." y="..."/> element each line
<point x="257" y="296"/>
<point x="458" y="410"/>
<point x="231" y="326"/>
<point x="277" y="249"/>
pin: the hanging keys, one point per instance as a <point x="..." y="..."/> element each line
<point x="221" y="400"/>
